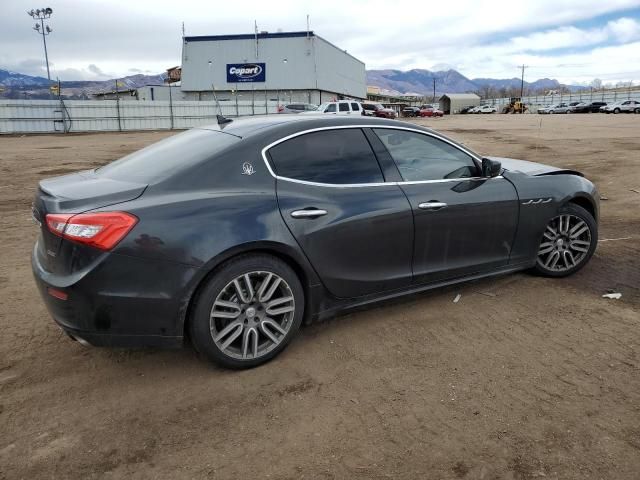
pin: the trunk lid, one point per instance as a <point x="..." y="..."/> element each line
<point x="74" y="193"/>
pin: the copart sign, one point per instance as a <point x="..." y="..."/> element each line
<point x="245" y="72"/>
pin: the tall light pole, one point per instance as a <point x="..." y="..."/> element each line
<point x="42" y="14"/>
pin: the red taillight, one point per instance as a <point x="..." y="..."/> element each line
<point x="102" y="230"/>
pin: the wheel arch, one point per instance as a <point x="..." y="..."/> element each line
<point x="298" y="263"/>
<point x="586" y="203"/>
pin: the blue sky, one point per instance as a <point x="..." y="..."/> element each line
<point x="573" y="41"/>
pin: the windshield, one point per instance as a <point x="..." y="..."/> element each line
<point x="168" y="156"/>
<point x="322" y="107"/>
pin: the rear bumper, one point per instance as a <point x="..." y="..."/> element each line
<point x="120" y="301"/>
<point x="97" y="339"/>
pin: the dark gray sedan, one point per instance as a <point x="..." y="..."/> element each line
<point x="231" y="235"/>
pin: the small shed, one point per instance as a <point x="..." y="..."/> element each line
<point x="452" y="103"/>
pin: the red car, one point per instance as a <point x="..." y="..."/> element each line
<point x="377" y="110"/>
<point x="431" y="112"/>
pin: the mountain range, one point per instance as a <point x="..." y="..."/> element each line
<point x="419" y="81"/>
<point x="451" y="81"/>
<point x="18" y="85"/>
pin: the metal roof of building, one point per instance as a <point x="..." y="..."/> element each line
<point x="460" y="96"/>
<point x="249" y="36"/>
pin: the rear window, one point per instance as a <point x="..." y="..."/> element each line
<point x="343" y="107"/>
<point x="166" y="157"/>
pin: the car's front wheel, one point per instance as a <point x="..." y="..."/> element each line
<point x="568" y="242"/>
<point x="617" y="110"/>
<point x="247" y="312"/>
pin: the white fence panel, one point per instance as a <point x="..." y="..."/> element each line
<point x="607" y="96"/>
<point x="47" y="116"/>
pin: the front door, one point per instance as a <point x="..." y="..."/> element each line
<point x="464" y="224"/>
<point x="356" y="230"/>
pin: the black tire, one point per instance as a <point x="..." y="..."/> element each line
<point x="617" y="110"/>
<point x="200" y="328"/>
<point x="637" y="110"/>
<point x="582" y="214"/>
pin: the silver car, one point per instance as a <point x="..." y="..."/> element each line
<point x="625" y="106"/>
<point x="560" y="108"/>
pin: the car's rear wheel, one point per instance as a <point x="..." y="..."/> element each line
<point x="247" y="312"/>
<point x="568" y="242"/>
<point x="637" y="110"/>
<point x="617" y="110"/>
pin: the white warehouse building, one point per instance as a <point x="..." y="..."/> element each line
<point x="283" y="67"/>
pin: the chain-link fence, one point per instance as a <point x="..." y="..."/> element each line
<point x="587" y="96"/>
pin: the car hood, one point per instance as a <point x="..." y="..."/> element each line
<point x="532" y="168"/>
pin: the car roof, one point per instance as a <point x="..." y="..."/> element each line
<point x="246" y="127"/>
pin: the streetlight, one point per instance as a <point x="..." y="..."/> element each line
<point x="42" y="14"/>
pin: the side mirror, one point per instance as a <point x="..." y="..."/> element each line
<point x="491" y="168"/>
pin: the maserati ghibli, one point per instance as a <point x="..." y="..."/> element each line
<point x="229" y="236"/>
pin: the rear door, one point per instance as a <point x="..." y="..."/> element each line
<point x="356" y="230"/>
<point x="464" y="224"/>
<point x="343" y="108"/>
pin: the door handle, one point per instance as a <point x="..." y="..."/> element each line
<point x="432" y="205"/>
<point x="311" y="213"/>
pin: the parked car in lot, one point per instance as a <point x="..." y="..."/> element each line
<point x="411" y="111"/>
<point x="341" y="107"/>
<point x="556" y="108"/>
<point x="430" y="111"/>
<point x="467" y="109"/>
<point x="230" y="234"/>
<point x="587" y="107"/>
<point x="560" y="108"/>
<point x="378" y="110"/>
<point x="625" y="106"/>
<point x="485" y="109"/>
<point x="297" y="108"/>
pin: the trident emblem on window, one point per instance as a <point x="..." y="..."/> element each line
<point x="247" y="169"/>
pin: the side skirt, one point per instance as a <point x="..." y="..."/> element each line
<point x="331" y="306"/>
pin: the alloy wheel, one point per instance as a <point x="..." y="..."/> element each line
<point x="252" y="315"/>
<point x="565" y="243"/>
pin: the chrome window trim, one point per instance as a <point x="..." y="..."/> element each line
<point x="373" y="184"/>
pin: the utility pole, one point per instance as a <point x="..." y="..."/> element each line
<point x="522" y="80"/>
<point x="42" y="14"/>
<point x="434" y="89"/>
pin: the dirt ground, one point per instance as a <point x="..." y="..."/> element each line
<point x="523" y="378"/>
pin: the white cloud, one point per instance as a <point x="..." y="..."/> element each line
<point x="480" y="38"/>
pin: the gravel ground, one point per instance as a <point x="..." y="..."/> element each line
<point x="523" y="378"/>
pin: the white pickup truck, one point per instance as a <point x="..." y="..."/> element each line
<point x="341" y="107"/>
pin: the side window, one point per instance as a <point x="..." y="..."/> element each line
<point x="331" y="108"/>
<point x="422" y="157"/>
<point x="355" y="107"/>
<point x="344" y="107"/>
<point x="330" y="156"/>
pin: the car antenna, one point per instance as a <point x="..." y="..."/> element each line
<point x="222" y="120"/>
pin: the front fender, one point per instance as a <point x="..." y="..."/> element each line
<point x="540" y="199"/>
